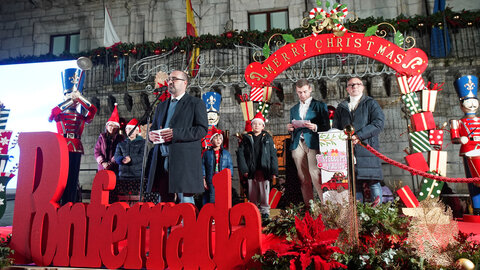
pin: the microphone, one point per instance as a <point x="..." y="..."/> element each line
<point x="161" y="89"/>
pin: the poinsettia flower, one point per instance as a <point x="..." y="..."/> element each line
<point x="312" y="242"/>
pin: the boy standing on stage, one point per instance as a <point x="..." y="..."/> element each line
<point x="257" y="161"/>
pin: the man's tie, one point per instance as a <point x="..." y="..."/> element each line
<point x="164" y="146"/>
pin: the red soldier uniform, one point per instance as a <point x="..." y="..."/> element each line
<point x="467" y="128"/>
<point x="70" y="122"/>
<point x="71" y="116"/>
<point x="467" y="132"/>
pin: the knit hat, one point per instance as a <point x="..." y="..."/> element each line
<point x="114" y="119"/>
<point x="215" y="132"/>
<point x="259" y="117"/>
<point x="133" y="123"/>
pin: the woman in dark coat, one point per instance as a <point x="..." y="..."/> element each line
<point x="107" y="143"/>
<point x="366" y="116"/>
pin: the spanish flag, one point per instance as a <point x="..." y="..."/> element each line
<point x="192" y="31"/>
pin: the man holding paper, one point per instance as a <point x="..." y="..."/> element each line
<point x="178" y="126"/>
<point x="307" y="118"/>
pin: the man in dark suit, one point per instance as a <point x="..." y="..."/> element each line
<point x="304" y="144"/>
<point x="178" y="126"/>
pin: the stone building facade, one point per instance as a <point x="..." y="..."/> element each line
<point x="27" y="25"/>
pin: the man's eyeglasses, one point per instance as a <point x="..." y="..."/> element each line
<point x="173" y="79"/>
<point x="354" y="84"/>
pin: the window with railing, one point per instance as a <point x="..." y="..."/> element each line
<point x="267" y="20"/>
<point x="68" y="43"/>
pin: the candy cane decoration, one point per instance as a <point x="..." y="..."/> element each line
<point x="340" y="27"/>
<point x="316" y="10"/>
<point x="329" y="19"/>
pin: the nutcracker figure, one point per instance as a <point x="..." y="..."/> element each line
<point x="71" y="116"/>
<point x="212" y="103"/>
<point x="466" y="132"/>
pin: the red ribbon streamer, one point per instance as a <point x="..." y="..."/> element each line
<point x="415" y="171"/>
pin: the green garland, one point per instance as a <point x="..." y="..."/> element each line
<point x="227" y="40"/>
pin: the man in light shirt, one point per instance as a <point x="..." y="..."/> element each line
<point x="304" y="146"/>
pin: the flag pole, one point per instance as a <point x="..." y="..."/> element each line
<point x="106" y="66"/>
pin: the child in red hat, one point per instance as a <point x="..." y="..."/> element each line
<point x="257" y="161"/>
<point x="214" y="160"/>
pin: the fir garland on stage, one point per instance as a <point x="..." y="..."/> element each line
<point x="387" y="238"/>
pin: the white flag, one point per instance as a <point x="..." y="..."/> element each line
<point x="110" y="37"/>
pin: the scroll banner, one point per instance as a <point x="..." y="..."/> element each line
<point x="332" y="161"/>
<point x="410" y="63"/>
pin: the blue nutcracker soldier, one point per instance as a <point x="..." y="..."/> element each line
<point x="466" y="132"/>
<point x="71" y="116"/>
<point x="212" y="103"/>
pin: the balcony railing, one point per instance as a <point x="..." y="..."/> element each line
<point x="224" y="67"/>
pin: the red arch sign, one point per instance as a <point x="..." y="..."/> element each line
<point x="410" y="63"/>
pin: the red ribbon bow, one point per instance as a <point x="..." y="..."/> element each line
<point x="244" y="98"/>
<point x="435" y="86"/>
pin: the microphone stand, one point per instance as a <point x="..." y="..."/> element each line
<point x="146" y="117"/>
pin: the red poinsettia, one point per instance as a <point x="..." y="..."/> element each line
<point x="312" y="242"/>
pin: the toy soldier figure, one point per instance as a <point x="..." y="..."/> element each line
<point x="71" y="116"/>
<point x="212" y="102"/>
<point x="466" y="131"/>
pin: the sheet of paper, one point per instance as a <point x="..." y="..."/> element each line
<point x="155" y="136"/>
<point x="299" y="123"/>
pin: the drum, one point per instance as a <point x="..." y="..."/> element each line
<point x="473" y="159"/>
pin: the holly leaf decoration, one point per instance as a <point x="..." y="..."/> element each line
<point x="327" y="4"/>
<point x="335" y="5"/>
<point x="371" y="30"/>
<point x="312" y="21"/>
<point x="343" y="6"/>
<point x="336" y="21"/>
<point x="340" y="14"/>
<point x="266" y="50"/>
<point x="398" y="39"/>
<point x="319" y="3"/>
<point x="288" y="38"/>
<point x="319" y="17"/>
